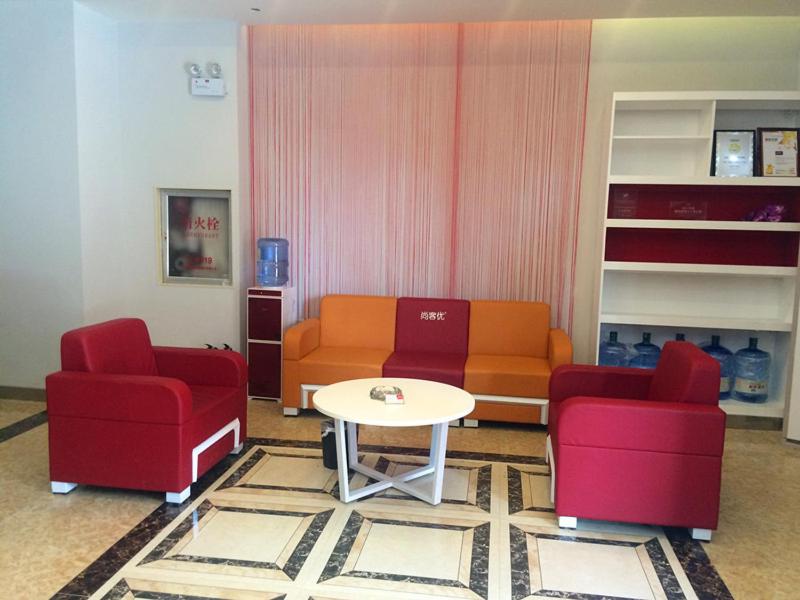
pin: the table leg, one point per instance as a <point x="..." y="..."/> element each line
<point x="341" y="459"/>
<point x="352" y="443"/>
<point x="438" y="451"/>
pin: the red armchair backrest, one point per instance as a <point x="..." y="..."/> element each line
<point x="119" y="347"/>
<point x="432" y="325"/>
<point x="685" y="374"/>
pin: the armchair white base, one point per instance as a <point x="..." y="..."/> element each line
<point x="237" y="449"/>
<point x="179" y="497"/>
<point x="700" y="534"/>
<point x="568" y="522"/>
<point x="61" y="487"/>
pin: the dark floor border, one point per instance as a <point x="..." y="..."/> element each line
<point x="702" y="575"/>
<point x="20" y="427"/>
<point x="22" y="393"/>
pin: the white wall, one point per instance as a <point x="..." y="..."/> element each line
<point x="40" y="260"/>
<point x="96" y="117"/>
<point x="99" y="156"/>
<point x="664" y="54"/>
<point x="141" y="130"/>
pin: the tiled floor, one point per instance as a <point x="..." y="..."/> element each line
<point x="47" y="540"/>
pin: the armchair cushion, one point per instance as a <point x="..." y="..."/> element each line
<point x="202" y="367"/>
<point x="121" y="346"/>
<point x="642" y="425"/>
<point x="589" y="380"/>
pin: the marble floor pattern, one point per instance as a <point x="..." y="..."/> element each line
<point x="272" y="526"/>
<point x="321" y="548"/>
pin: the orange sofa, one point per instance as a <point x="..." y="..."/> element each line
<point x="510" y="354"/>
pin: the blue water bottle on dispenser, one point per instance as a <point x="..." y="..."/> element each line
<point x="272" y="269"/>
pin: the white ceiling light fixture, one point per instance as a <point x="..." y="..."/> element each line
<point x="214" y="70"/>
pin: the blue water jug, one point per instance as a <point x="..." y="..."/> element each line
<point x="613" y="353"/>
<point x="726" y="367"/>
<point x="646" y="354"/>
<point x="272" y="268"/>
<point x="752" y="373"/>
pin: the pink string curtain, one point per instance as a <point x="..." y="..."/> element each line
<point x="429" y="160"/>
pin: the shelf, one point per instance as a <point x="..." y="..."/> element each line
<point x="771" y="408"/>
<point x="699" y="269"/>
<point x="692" y="224"/>
<point x="662" y="138"/>
<point x="703" y="322"/>
<point x="703" y="180"/>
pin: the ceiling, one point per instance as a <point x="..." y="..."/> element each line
<point x="431" y="11"/>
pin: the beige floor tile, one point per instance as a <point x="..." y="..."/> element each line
<point x="12" y="411"/>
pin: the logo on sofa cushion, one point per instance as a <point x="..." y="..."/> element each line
<point x="432" y="316"/>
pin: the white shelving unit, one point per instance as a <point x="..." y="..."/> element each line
<point x="704" y="271"/>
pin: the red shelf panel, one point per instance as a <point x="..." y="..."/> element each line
<point x="722" y="203"/>
<point x="722" y="247"/>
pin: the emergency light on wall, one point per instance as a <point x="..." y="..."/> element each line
<point x="212" y="84"/>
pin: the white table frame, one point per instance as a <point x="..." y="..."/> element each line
<point x="347" y="458"/>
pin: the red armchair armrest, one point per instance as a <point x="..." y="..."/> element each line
<point x="137" y="398"/>
<point x="199" y="366"/>
<point x="567" y="381"/>
<point x="643" y="425"/>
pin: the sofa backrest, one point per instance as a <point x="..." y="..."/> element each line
<point x="507" y="327"/>
<point x="119" y="347"/>
<point x="357" y="321"/>
<point x="685" y="373"/>
<point x="432" y="325"/>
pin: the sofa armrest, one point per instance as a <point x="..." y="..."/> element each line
<point x="559" y="348"/>
<point x="301" y="339"/>
<point x="200" y="366"/>
<point x="642" y="425"/>
<point x="606" y="382"/>
<point x="137" y="398"/>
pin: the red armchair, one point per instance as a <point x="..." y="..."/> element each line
<point x="123" y="413"/>
<point x="641" y="446"/>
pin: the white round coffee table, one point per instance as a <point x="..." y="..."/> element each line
<point x="426" y="403"/>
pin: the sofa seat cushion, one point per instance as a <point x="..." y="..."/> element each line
<point x="212" y="407"/>
<point x="496" y="375"/>
<point x="332" y="364"/>
<point x="432" y="366"/>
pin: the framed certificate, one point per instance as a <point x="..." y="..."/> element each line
<point x="777" y="151"/>
<point x="733" y="153"/>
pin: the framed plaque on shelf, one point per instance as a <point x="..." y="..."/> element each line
<point x="733" y="153"/>
<point x="777" y="152"/>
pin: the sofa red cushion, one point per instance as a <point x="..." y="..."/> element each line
<point x="432" y="366"/>
<point x="432" y="325"/>
<point x="431" y="340"/>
